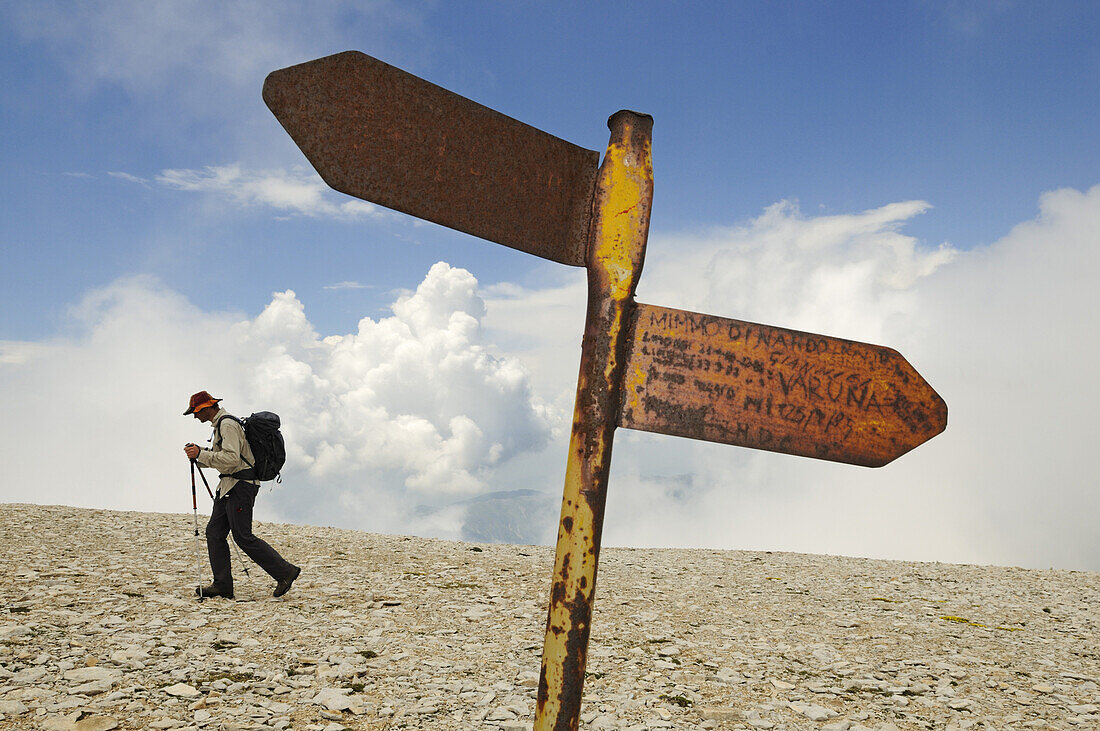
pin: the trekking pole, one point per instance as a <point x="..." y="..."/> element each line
<point x="195" y="464"/>
<point x="234" y="541"/>
<point x="195" y="513"/>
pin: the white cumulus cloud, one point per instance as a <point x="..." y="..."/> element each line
<point x="409" y="409"/>
<point x="999" y="330"/>
<point x="465" y="391"/>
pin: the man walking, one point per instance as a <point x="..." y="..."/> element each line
<point x="230" y="454"/>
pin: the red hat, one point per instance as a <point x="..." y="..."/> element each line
<point x="200" y="401"/>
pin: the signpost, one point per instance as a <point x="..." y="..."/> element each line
<point x="381" y="134"/>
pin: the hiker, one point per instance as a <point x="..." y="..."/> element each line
<point x="229" y="454"/>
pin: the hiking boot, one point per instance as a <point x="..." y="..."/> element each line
<point x="213" y="590"/>
<point x="284" y="585"/>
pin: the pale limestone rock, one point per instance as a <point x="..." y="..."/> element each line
<point x="91" y="673"/>
<point x="334" y="699"/>
<point x="15" y="631"/>
<point x="500" y="713"/>
<point x="61" y="723"/>
<point x="720" y="714"/>
<point x="95" y="723"/>
<point x="844" y="725"/>
<point x="182" y="690"/>
<point x="28" y="676"/>
<point x="12" y="707"/>
<point x="94" y="687"/>
<point x="813" y="711"/>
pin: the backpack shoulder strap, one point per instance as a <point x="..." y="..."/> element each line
<point x="228" y="416"/>
<point x="218" y="426"/>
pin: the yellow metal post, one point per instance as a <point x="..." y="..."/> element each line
<point x="615" y="253"/>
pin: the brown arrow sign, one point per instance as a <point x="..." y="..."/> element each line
<point x="735" y="382"/>
<point x="381" y="134"/>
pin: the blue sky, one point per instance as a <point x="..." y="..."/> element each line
<point x="142" y="171"/>
<point x="975" y="108"/>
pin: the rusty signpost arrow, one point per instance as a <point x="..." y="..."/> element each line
<point x="763" y="387"/>
<point x="381" y="134"/>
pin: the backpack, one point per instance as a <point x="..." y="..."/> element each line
<point x="266" y="441"/>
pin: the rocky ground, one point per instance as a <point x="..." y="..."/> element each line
<point x="99" y="630"/>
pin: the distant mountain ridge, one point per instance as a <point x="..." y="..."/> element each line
<point x="527" y="517"/>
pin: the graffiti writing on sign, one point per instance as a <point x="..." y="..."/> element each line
<point x="736" y="382"/>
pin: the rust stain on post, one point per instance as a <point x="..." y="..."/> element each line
<point x="381" y="134"/>
<point x="616" y="250"/>
<point x="735" y="382"/>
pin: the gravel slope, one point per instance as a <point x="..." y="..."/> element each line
<point x="98" y="631"/>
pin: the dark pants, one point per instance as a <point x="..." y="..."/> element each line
<point x="233" y="513"/>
